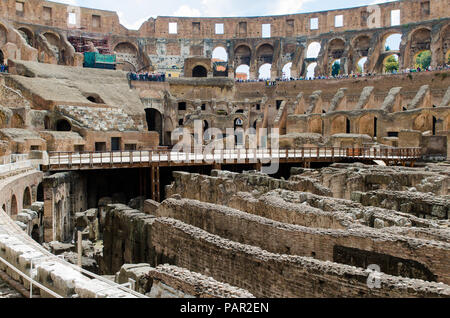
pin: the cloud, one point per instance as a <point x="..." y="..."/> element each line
<point x="187" y="11"/>
<point x="288" y="6"/>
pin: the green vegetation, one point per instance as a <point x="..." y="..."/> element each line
<point x="391" y="64"/>
<point x="423" y="60"/>
<point x="336" y="68"/>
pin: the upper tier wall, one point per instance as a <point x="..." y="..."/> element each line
<point x="52" y="14"/>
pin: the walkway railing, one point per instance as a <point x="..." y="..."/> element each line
<point x="71" y="160"/>
<point x="12" y="163"/>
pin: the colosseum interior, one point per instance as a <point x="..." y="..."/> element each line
<point x="327" y="178"/>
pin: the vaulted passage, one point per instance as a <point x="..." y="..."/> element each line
<point x="199" y="71"/>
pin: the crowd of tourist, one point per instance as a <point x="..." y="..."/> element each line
<point x="148" y="77"/>
<point x="345" y="76"/>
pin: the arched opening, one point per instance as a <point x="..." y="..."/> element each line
<point x="154" y="121"/>
<point x="40" y="192"/>
<point x="335" y="68"/>
<point x="362" y="45"/>
<point x="243" y="72"/>
<point x="336" y="50"/>
<point x="205" y="130"/>
<point x="63" y="125"/>
<point x="17" y="121"/>
<point x="265" y="72"/>
<point x="287" y="70"/>
<point x="242" y="55"/>
<point x="4" y="208"/>
<point x="392" y="42"/>
<point x="127" y="57"/>
<point x="14" y="208"/>
<point x="220" y="61"/>
<point x="27" y="35"/>
<point x="361" y="66"/>
<point x="47" y="123"/>
<point x="434" y="126"/>
<point x="94" y="98"/>
<point x="2" y="57"/>
<point x="238" y="132"/>
<point x="313" y="50"/>
<point x="53" y="42"/>
<point x="311" y="71"/>
<point x="340" y="125"/>
<point x="264" y="54"/>
<point x="422" y="60"/>
<point x="421" y="42"/>
<point x="391" y="64"/>
<point x="199" y="71"/>
<point x="27" y="198"/>
<point x="368" y="125"/>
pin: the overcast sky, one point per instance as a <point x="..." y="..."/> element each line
<point x="133" y="13"/>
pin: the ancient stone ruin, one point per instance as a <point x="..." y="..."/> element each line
<point x="311" y="162"/>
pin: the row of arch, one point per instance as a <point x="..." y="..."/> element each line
<point x="354" y="56"/>
<point x="368" y="124"/>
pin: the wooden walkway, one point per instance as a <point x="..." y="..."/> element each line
<point x="64" y="161"/>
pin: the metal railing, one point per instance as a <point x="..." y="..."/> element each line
<point x="30" y="279"/>
<point x="85" y="159"/>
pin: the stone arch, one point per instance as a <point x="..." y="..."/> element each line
<point x="361" y="45"/>
<point x="63" y="125"/>
<point x="3" y="35"/>
<point x="264" y="54"/>
<point x="340" y="125"/>
<point x="361" y="65"/>
<point x="313" y="50"/>
<point x="220" y="53"/>
<point x="392" y="40"/>
<point x="387" y="59"/>
<point x="127" y="56"/>
<point x="287" y="70"/>
<point x="199" y="71"/>
<point x="220" y="61"/>
<point x="242" y="54"/>
<point x="264" y="71"/>
<point x="419" y="41"/>
<point x="14" y="208"/>
<point x="311" y="70"/>
<point x="52" y="38"/>
<point x="26" y="198"/>
<point x="368" y="125"/>
<point x="17" y="121"/>
<point x="28" y="35"/>
<point x="423" y="122"/>
<point x="242" y="72"/>
<point x="336" y="48"/>
<point x="445" y="36"/>
<point x="315" y="125"/>
<point x="154" y="121"/>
